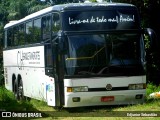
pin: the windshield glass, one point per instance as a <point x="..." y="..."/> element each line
<point x="103" y="54"/>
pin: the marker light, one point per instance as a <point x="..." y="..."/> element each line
<point x="136" y="86"/>
<point x="77" y="89"/>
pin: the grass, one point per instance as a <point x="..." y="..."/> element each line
<point x="8" y="103"/>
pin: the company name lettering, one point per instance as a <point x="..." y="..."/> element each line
<point x="31" y="55"/>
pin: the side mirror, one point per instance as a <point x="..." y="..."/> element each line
<point x="152" y="38"/>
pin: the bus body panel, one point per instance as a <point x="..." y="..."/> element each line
<point x="91" y="98"/>
<point x="94" y="98"/>
<point x="24" y="57"/>
<point x="29" y="64"/>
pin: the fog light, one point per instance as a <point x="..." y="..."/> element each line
<point x="76" y="99"/>
<point x="139" y="96"/>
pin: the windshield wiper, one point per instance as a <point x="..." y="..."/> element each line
<point x="103" y="69"/>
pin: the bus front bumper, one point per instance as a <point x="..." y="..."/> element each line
<point x="126" y="97"/>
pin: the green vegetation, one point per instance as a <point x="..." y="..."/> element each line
<point x="152" y="88"/>
<point x="9" y="103"/>
<point x="1" y="74"/>
<point x="149" y="11"/>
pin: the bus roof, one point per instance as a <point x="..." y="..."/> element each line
<point x="66" y="7"/>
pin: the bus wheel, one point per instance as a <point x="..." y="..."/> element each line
<point x="20" y="95"/>
<point x="15" y="89"/>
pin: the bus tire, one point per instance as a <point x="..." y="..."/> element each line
<point x="15" y="89"/>
<point x="13" y="82"/>
<point x="20" y="94"/>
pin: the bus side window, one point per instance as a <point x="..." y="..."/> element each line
<point x="21" y="34"/>
<point x="48" y="53"/>
<point x="9" y="37"/>
<point x="15" y="36"/>
<point x="29" y="31"/>
<point x="55" y="23"/>
<point x="5" y="42"/>
<point x="37" y="30"/>
<point x="46" y="27"/>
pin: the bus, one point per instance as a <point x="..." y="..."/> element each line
<point x="77" y="54"/>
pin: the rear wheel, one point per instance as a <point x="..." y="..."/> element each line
<point x="18" y="90"/>
<point x="20" y="95"/>
<point x="15" y="89"/>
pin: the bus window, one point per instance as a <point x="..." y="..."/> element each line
<point x="56" y="22"/>
<point x="29" y="31"/>
<point x="48" y="55"/>
<point x="46" y="27"/>
<point x="37" y="30"/>
<point x="21" y="34"/>
<point x="48" y="59"/>
<point x="9" y="37"/>
<point x="5" y="39"/>
<point x="15" y="36"/>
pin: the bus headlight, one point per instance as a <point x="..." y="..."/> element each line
<point x="77" y="89"/>
<point x="136" y="86"/>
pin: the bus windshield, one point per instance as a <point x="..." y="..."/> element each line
<point x="103" y="54"/>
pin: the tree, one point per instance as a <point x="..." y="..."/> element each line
<point x="17" y="9"/>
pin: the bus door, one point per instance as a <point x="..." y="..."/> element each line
<point x="53" y="62"/>
<point x="58" y="71"/>
<point x="50" y="83"/>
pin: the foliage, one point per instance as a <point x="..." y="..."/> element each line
<point x="1" y="74"/>
<point x="151" y="88"/>
<point x="11" y="9"/>
<point x="9" y="103"/>
<point x="93" y="0"/>
<point x="149" y="11"/>
<point x="5" y="96"/>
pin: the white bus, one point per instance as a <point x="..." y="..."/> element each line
<point x="74" y="55"/>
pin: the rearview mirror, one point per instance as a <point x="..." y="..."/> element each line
<point x="152" y="38"/>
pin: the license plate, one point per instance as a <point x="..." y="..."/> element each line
<point x="107" y="98"/>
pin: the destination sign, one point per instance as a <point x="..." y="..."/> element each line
<point x="101" y="20"/>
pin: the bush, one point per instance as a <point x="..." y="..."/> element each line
<point x="1" y="74"/>
<point x="5" y="95"/>
<point x="151" y="88"/>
